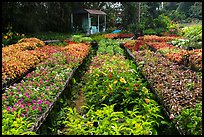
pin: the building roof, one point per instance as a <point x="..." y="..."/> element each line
<point x="97" y="12"/>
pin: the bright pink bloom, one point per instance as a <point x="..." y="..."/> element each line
<point x="8" y="108"/>
<point x="40" y="102"/>
<point x="39" y="108"/>
<point x="21" y="106"/>
<point x="33" y="108"/>
<point x="29" y="104"/>
<point x="13" y="109"/>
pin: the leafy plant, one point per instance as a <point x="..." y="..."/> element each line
<point x="190" y="120"/>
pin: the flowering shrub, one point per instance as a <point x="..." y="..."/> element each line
<point x="34" y="95"/>
<point x="35" y="40"/>
<point x="134" y="45"/>
<point x="113" y="82"/>
<point x="17" y="61"/>
<point x="155" y="38"/>
<point x="176" y="88"/>
<point x="125" y="35"/>
<point x="160" y="45"/>
<point x="110" y="35"/>
<point x="181" y="56"/>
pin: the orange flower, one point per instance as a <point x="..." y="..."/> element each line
<point x="147" y="100"/>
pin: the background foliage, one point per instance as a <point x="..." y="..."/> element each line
<point x="32" y="17"/>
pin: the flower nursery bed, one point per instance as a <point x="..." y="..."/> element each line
<point x="21" y="58"/>
<point x="25" y="105"/>
<point x="191" y="59"/>
<point x="172" y="85"/>
<point x="117" y="100"/>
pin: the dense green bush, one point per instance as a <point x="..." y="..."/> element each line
<point x="194" y="33"/>
<point x="190" y="120"/>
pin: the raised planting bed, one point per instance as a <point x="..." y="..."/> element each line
<point x="19" y="59"/>
<point x="26" y="105"/>
<point x="191" y="59"/>
<point x="177" y="89"/>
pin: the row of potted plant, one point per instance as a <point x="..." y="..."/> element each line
<point x="118" y="35"/>
<point x="177" y="89"/>
<point x="189" y="58"/>
<point x="17" y="62"/>
<point x="117" y="100"/>
<point x="34" y="95"/>
<point x="155" y="38"/>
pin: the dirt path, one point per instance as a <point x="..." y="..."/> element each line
<point x="80" y="101"/>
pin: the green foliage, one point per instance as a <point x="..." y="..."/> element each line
<point x="13" y="124"/>
<point x="50" y="35"/>
<point x="182" y="43"/>
<point x="106" y="121"/>
<point x="76" y="38"/>
<point x="96" y="37"/>
<point x="80" y="38"/>
<point x="194" y="33"/>
<point x="149" y="32"/>
<point x="190" y="120"/>
<point x="11" y="38"/>
<point x="162" y="21"/>
<point x="86" y="39"/>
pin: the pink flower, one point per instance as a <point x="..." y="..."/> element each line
<point x="39" y="108"/>
<point x="22" y="114"/>
<point x="41" y="81"/>
<point x="40" y="102"/>
<point x="21" y="106"/>
<point x="171" y="117"/>
<point x="13" y="109"/>
<point x="47" y="102"/>
<point x="26" y="110"/>
<point x="33" y="101"/>
<point x="29" y="104"/>
<point x="8" y="108"/>
<point x="33" y="108"/>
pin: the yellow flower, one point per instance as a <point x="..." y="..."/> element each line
<point x="104" y="73"/>
<point x="110" y="86"/>
<point x="17" y="34"/>
<point x="122" y="80"/>
<point x="97" y="75"/>
<point x="23" y="35"/>
<point x="137" y="125"/>
<point x="89" y="124"/>
<point x="115" y="82"/>
<point x="10" y="34"/>
<point x="5" y="37"/>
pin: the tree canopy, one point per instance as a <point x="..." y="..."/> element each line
<point x="55" y="16"/>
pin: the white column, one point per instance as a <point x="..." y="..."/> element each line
<point x="98" y="23"/>
<point x="105" y="22"/>
<point x="71" y="21"/>
<point x="89" y="23"/>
